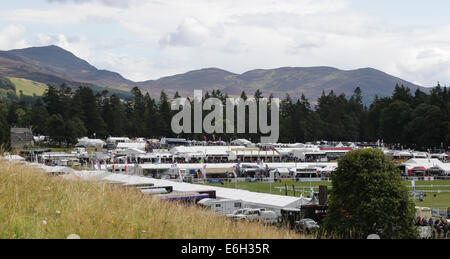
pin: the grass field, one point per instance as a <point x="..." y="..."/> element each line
<point x="36" y="206"/>
<point x="28" y="87"/>
<point x="442" y="200"/>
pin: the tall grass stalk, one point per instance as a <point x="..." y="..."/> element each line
<point x="34" y="205"/>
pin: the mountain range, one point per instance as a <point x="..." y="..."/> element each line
<point x="53" y="65"/>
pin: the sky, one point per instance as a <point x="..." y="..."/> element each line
<point x="150" y="39"/>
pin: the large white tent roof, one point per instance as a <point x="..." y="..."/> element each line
<point x="250" y="198"/>
<point x="230" y="165"/>
<point x="91" y="142"/>
<point x="427" y="163"/>
<point x="262" y="199"/>
<point x="241" y="142"/>
<point x="207" y="150"/>
<point x="138" y="146"/>
<point x="14" y="158"/>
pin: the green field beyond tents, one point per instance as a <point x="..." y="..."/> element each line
<point x="441" y="200"/>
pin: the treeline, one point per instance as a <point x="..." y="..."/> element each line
<point x="420" y="120"/>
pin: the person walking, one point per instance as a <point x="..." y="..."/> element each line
<point x="419" y="221"/>
<point x="438" y="228"/>
<point x="441" y="228"/>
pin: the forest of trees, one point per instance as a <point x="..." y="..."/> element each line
<point x="417" y="120"/>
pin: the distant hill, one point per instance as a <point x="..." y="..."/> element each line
<point x="54" y="65"/>
<point x="288" y="80"/>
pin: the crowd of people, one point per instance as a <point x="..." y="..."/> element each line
<point x="439" y="227"/>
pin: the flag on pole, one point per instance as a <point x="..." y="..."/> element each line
<point x="113" y="169"/>
<point x="179" y="174"/>
<point x="204" y="172"/>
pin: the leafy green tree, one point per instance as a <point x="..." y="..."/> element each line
<point x="53" y="101"/>
<point x="38" y="117"/>
<point x="114" y="116"/>
<point x="340" y="120"/>
<point x="394" y="119"/>
<point x="402" y="93"/>
<point x="11" y="116"/>
<point x="287" y="124"/>
<point x="373" y="127"/>
<point x="6" y="84"/>
<point x="151" y="117"/>
<point x="420" y="121"/>
<point x="448" y="133"/>
<point x="369" y="197"/>
<point x="74" y="129"/>
<point x="4" y="128"/>
<point x="57" y="128"/>
<point x="90" y="112"/>
<point x="22" y="118"/>
<point x="135" y="111"/>
<point x="424" y="130"/>
<point x="166" y="113"/>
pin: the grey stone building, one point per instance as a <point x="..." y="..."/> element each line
<point x="21" y="137"/>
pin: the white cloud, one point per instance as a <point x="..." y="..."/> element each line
<point x="190" y="33"/>
<point x="174" y="36"/>
<point x="12" y="37"/>
<point x="116" y="3"/>
<point x="136" y="68"/>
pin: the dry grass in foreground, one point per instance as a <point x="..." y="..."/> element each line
<point x="36" y="206"/>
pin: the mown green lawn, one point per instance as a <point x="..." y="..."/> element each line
<point x="28" y="87"/>
<point x="442" y="200"/>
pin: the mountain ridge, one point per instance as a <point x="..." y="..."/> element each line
<point x="54" y="65"/>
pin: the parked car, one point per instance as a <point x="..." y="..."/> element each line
<point x="237" y="212"/>
<point x="262" y="215"/>
<point x="307" y="226"/>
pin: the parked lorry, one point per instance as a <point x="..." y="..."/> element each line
<point x="221" y="206"/>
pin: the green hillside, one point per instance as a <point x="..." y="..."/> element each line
<point x="10" y="87"/>
<point x="28" y="87"/>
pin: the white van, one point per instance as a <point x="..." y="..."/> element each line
<point x="222" y="207"/>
